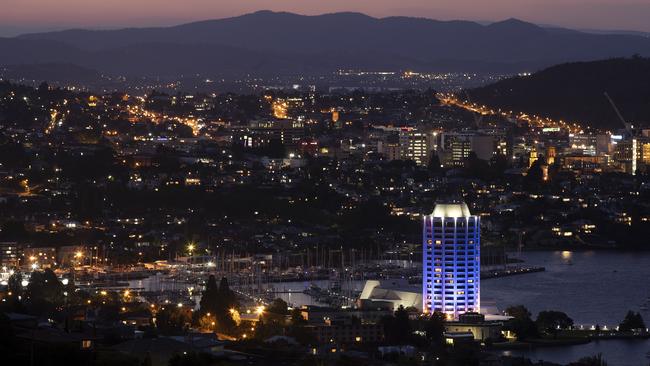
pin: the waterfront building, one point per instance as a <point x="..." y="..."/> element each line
<point x="451" y="260"/>
<point x="39" y="258"/>
<point x="390" y="294"/>
<point x="475" y="323"/>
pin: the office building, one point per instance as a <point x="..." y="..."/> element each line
<point x="9" y="254"/>
<point x="406" y="143"/>
<point x="455" y="147"/>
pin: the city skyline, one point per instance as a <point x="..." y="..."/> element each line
<point x="304" y="182"/>
<point x="22" y="16"/>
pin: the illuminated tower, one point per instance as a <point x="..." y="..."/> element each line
<point x="533" y="157"/>
<point x="551" y="153"/>
<point x="451" y="260"/>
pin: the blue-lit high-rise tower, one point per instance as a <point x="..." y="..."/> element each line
<point x="451" y="260"/>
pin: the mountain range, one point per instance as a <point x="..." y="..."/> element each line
<point x="277" y="43"/>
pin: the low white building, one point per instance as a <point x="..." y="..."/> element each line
<point x="391" y="294"/>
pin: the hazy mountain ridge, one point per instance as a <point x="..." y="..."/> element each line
<point x="575" y="92"/>
<point x="274" y="43"/>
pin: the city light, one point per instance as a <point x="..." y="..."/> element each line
<point x="346" y="201"/>
<point x="260" y="310"/>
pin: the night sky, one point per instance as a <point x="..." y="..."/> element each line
<point x="17" y="16"/>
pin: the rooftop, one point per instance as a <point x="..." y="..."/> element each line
<point x="451" y="209"/>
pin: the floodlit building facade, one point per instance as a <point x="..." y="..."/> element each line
<point x="451" y="260"/>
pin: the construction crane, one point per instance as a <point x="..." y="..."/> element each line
<point x="628" y="126"/>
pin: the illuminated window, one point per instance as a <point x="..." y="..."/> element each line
<point x="86" y="344"/>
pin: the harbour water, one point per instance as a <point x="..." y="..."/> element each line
<point x="592" y="287"/>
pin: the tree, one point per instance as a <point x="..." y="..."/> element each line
<point x="297" y="318"/>
<point x="498" y="165"/>
<point x="14" y="231"/>
<point x="44" y="292"/>
<point x="521" y="323"/>
<point x="434" y="165"/>
<point x="207" y="322"/>
<point x="210" y="297"/>
<point x="632" y="321"/>
<point x="217" y="301"/>
<point x="397" y="328"/>
<point x="278" y="307"/>
<point x="14" y="284"/>
<point x="7" y="341"/>
<point x="226" y="294"/>
<point x="475" y="167"/>
<point x="298" y="330"/>
<point x="551" y="321"/>
<point x="267" y="328"/>
<point x="518" y="311"/>
<point x="535" y="176"/>
<point x="596" y="360"/>
<point x="172" y="320"/>
<point x="146" y="361"/>
<point x="14" y="291"/>
<point x="190" y="359"/>
<point x="435" y="329"/>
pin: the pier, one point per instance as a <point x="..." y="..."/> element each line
<point x="485" y="275"/>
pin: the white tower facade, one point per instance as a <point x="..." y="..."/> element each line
<point x="451" y="260"/>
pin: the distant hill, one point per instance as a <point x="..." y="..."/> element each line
<point x="271" y="43"/>
<point x="53" y="72"/>
<point x="575" y="92"/>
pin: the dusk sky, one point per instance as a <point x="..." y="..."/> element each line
<point x="34" y="15"/>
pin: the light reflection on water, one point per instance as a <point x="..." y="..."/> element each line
<point x="592" y="288"/>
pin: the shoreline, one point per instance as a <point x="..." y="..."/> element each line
<point x="566" y="342"/>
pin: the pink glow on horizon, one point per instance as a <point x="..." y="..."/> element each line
<point x="594" y="14"/>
